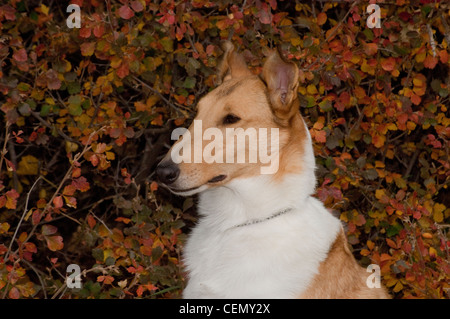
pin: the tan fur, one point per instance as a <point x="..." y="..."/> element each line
<point x="340" y="277"/>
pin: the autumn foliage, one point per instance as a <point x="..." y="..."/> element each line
<point x="87" y="113"/>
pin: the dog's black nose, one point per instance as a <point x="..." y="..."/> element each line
<point x="167" y="172"/>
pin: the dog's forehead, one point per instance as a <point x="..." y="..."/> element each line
<point x="232" y="93"/>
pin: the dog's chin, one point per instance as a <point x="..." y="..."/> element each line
<point x="188" y="191"/>
<point x="217" y="180"/>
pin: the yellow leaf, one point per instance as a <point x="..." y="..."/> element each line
<point x="398" y="287"/>
<point x="110" y="156"/>
<point x="391" y="127"/>
<point x="391" y="282"/>
<point x="44" y="9"/>
<point x="28" y="214"/>
<point x="152" y="101"/>
<point x="296" y="41"/>
<point x="421" y="57"/>
<point x="311" y="89"/>
<point x="379" y="193"/>
<point x="433" y="252"/>
<point x="29" y="165"/>
<point x="438" y="215"/>
<point x="301" y="90"/>
<point x="71" y="147"/>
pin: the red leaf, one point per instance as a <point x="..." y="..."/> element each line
<point x="91" y="221"/>
<point x="85" y="32"/>
<point x="99" y="31"/>
<point x="137" y="6"/>
<point x="2" y="201"/>
<point x="81" y="184"/>
<point x="87" y="48"/>
<point x="58" y="202"/>
<point x="139" y="291"/>
<point x="8" y="12"/>
<point x="125" y="12"/>
<point x="20" y="55"/>
<point x="71" y="201"/>
<point x="53" y="82"/>
<point x="94" y="160"/>
<point x="14" y="293"/>
<point x="30" y="247"/>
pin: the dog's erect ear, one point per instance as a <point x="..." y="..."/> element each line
<point x="232" y="64"/>
<point x="281" y="78"/>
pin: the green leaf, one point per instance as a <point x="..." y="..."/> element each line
<point x="97" y="253"/>
<point x="45" y="109"/>
<point x="189" y="82"/>
<point x="75" y="105"/>
<point x="73" y="87"/>
<point x="326" y="106"/>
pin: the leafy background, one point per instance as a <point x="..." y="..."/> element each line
<point x="87" y="113"/>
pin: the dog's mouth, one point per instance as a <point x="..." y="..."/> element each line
<point x="196" y="189"/>
<point x="217" y="179"/>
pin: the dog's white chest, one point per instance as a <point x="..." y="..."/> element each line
<point x="277" y="258"/>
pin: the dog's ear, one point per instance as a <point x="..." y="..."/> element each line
<point x="281" y="78"/>
<point x="232" y="64"/>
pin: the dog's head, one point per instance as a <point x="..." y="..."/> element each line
<point x="246" y="124"/>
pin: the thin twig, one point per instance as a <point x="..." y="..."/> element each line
<point x="21" y="219"/>
<point x="4" y="151"/>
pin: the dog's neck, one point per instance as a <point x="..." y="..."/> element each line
<point x="259" y="197"/>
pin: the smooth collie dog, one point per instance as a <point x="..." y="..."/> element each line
<point x="261" y="235"/>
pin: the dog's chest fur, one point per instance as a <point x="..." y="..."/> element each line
<point x="276" y="258"/>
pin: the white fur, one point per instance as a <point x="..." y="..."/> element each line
<point x="276" y="258"/>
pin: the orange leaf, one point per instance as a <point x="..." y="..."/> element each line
<point x="123" y="70"/>
<point x="321" y="18"/>
<point x="54" y="243"/>
<point x="153" y="186"/>
<point x="385" y="257"/>
<point x="388" y="64"/>
<point x="69" y="190"/>
<point x="415" y="99"/>
<point x="430" y="62"/>
<point x="370" y="48"/>
<point x="443" y="56"/>
<point x="11" y="199"/>
<point x="391" y="243"/>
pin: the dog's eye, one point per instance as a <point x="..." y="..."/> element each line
<point x="230" y="119"/>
